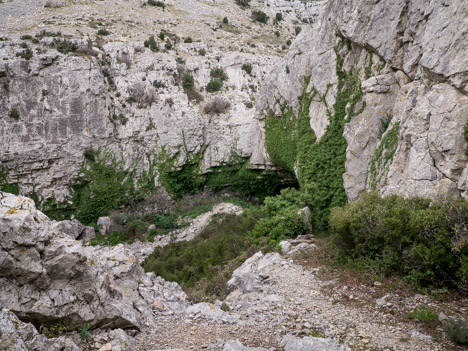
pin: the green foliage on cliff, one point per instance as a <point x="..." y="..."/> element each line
<point x="320" y="164"/>
<point x="465" y="134"/>
<point x="104" y="184"/>
<point x="383" y="156"/>
<point x="234" y="175"/>
<point x="5" y="185"/>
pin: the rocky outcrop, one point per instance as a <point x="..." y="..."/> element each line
<point x="293" y="343"/>
<point x="47" y="277"/>
<point x="122" y="98"/>
<point x="19" y="336"/>
<point x="410" y="58"/>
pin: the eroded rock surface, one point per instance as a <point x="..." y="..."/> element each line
<point x="48" y="277"/>
<point x="411" y="59"/>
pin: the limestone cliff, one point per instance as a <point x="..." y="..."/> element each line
<point x="397" y="73"/>
<point x="82" y="80"/>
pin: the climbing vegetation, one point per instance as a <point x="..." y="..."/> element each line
<point x="320" y="165"/>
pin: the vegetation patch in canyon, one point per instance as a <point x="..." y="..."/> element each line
<point x="425" y="244"/>
<point x="234" y="175"/>
<point x="5" y="184"/>
<point x="291" y="143"/>
<point x="204" y="265"/>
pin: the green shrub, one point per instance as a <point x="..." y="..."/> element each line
<point x="407" y="237"/>
<point x="457" y="331"/>
<point x="54" y="330"/>
<point x="259" y="16"/>
<point x="164" y="221"/>
<point x="281" y="219"/>
<point x="110" y="239"/>
<point x="202" y="52"/>
<point x="156" y="3"/>
<point x="44" y="33"/>
<point x="218" y="73"/>
<point x="225" y="20"/>
<point x="168" y="45"/>
<point x="158" y="84"/>
<point x="203" y="266"/>
<point x="297" y="30"/>
<point x="14" y="113"/>
<point x="188" y="40"/>
<point x="5" y="185"/>
<point x="247" y="67"/>
<point x="103" y="32"/>
<point x="26" y="54"/>
<point x="188" y="84"/>
<point x="64" y="46"/>
<point x="215" y="84"/>
<point x="151" y="44"/>
<point x="243" y="3"/>
<point x="279" y="17"/>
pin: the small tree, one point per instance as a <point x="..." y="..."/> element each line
<point x="259" y="16"/>
<point x="243" y="3"/>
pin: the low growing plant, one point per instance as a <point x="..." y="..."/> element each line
<point x="457" y="331"/>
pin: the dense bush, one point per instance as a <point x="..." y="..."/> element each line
<point x="247" y="67"/>
<point x="156" y="3"/>
<point x="188" y="84"/>
<point x="282" y="219"/>
<point x="14" y="113"/>
<point x="214" y="85"/>
<point x="243" y="3"/>
<point x="64" y="46"/>
<point x="103" y="31"/>
<point x="151" y="44"/>
<point x="426" y="244"/>
<point x="259" y="16"/>
<point x="218" y="73"/>
<point x="203" y="265"/>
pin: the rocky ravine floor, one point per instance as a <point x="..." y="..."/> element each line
<point x="275" y="301"/>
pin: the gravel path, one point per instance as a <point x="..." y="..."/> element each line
<point x="290" y="299"/>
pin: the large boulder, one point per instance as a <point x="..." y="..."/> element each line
<point x="18" y="336"/>
<point x="310" y="343"/>
<point x="47" y="277"/>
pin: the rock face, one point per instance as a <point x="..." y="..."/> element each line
<point x="47" y="277"/>
<point x="18" y="336"/>
<point x="66" y="105"/>
<point x="411" y="60"/>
